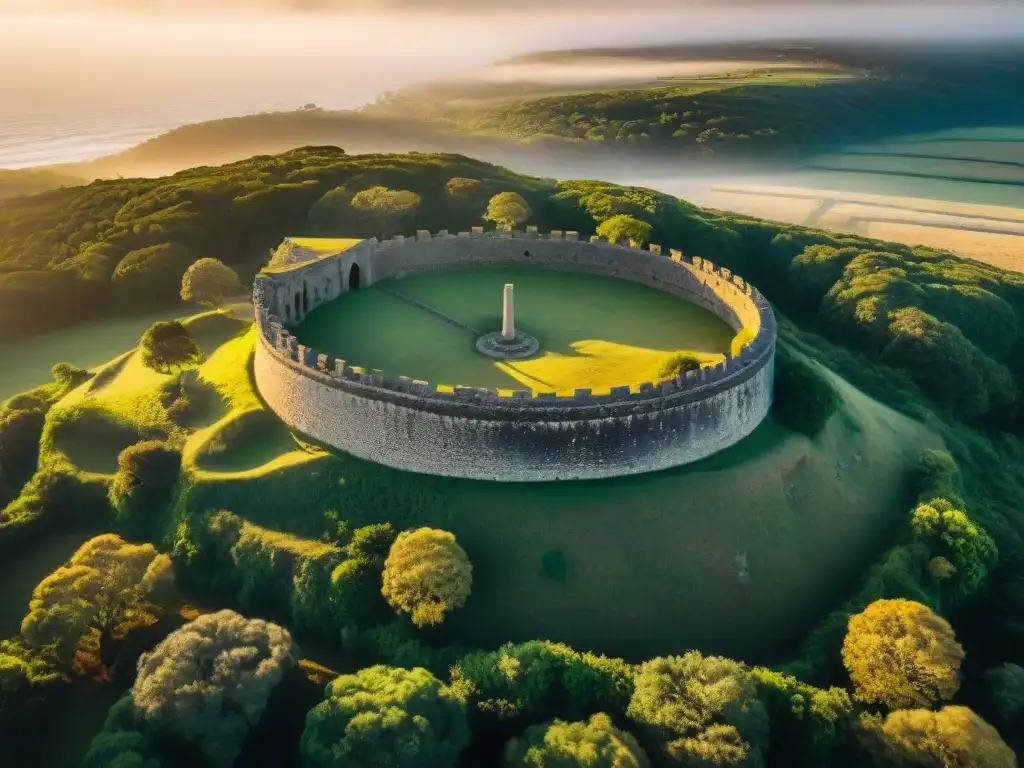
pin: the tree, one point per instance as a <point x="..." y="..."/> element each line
<point x="900" y="654"/>
<point x="950" y="534"/>
<point x="168" y="345"/>
<point x="208" y="682"/>
<point x="702" y="709"/>
<point x="507" y="209"/>
<point x="385" y="206"/>
<point x="465" y="191"/>
<point x="209" y="282"/>
<point x="953" y="736"/>
<point x="328" y="214"/>
<point x="152" y="275"/>
<point x="144" y="486"/>
<point x="595" y="743"/>
<point x="355" y="594"/>
<point x="24" y="675"/>
<point x="1005" y="685"/>
<point x="426" y="575"/>
<point x="107" y="587"/>
<point x="385" y="717"/>
<point x="623" y="227"/>
<point x="538" y="680"/>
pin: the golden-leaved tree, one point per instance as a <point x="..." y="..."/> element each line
<point x="953" y="736"/>
<point x="901" y="654"/>
<point x="426" y="575"/>
<point x="106" y="587"/>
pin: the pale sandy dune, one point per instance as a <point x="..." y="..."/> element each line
<point x="999" y="250"/>
<point x="987" y="233"/>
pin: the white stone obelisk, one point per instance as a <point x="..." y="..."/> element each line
<point x="508" y="314"/>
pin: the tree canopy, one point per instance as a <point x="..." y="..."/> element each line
<point x="951" y="535"/>
<point x="106" y="586"/>
<point x="385" y="206"/>
<point x="900" y="654"/>
<point x="210" y="281"/>
<point x="209" y="681"/>
<point x="168" y="345"/>
<point x="426" y="575"/>
<point x="953" y="736"/>
<point x="507" y="209"/>
<point x="700" y="708"/>
<point x="385" y="717"/>
<point x="595" y="743"/>
<point x="624" y="228"/>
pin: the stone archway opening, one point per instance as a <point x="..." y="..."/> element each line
<point x="305" y="300"/>
<point x="353" y="278"/>
<point x="298" y="307"/>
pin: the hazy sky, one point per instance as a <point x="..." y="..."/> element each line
<point x="91" y="72"/>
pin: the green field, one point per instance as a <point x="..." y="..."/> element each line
<point x="594" y="331"/>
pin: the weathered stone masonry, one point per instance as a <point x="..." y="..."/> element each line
<point x="477" y="433"/>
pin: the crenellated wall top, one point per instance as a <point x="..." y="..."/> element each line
<point x="745" y="308"/>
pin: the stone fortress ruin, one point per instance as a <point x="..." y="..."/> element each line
<point x="514" y="436"/>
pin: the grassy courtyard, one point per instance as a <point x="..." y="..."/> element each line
<point x="594" y="331"/>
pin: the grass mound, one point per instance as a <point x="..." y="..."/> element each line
<point x="92" y="439"/>
<point x="213" y="329"/>
<point x="252" y="440"/>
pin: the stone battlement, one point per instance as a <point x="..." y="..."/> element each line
<point x="738" y="303"/>
<point x="374" y="399"/>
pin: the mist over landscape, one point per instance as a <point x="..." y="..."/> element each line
<point x="451" y="384"/>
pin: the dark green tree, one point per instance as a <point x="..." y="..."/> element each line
<point x="167" y="346"/>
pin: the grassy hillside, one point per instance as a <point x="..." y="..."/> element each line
<point x="891" y="355"/>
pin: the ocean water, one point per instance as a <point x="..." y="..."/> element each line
<point x="75" y="87"/>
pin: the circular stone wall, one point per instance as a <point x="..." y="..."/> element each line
<point x="516" y="436"/>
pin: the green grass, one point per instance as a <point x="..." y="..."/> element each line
<point x="326" y="246"/>
<point x="594" y="331"/>
<point x="808" y="515"/>
<point x="26" y="363"/>
<point x="556" y="559"/>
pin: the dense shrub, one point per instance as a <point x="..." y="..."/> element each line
<point x="804" y="400"/>
<point x="900" y="654"/>
<point x="680" y="362"/>
<point x="144" y="487"/>
<point x="208" y="682"/>
<point x="25" y="678"/>
<point x="808" y="724"/>
<point x="385" y="717"/>
<point x="20" y="432"/>
<point x="355" y="594"/>
<point x="538" y="680"/>
<point x="595" y="743"/>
